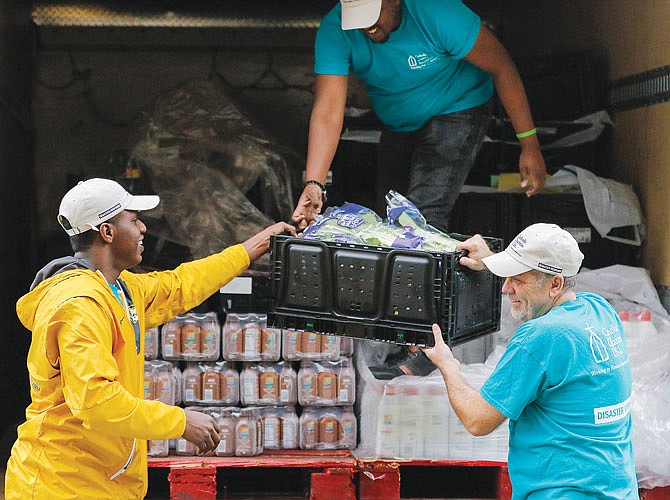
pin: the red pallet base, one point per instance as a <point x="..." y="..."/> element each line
<point x="198" y="481"/>
<point x="656" y="494"/>
<point x="333" y="474"/>
<point x="380" y="479"/>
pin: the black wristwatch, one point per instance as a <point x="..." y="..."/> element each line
<point x="323" y="189"/>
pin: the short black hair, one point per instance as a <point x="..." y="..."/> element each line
<point x="82" y="242"/>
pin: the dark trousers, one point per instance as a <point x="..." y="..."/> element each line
<point x="429" y="166"/>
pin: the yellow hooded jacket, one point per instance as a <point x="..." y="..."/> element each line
<point x="87" y="424"/>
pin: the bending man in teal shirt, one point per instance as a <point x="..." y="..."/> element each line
<point x="564" y="380"/>
<point x="430" y="68"/>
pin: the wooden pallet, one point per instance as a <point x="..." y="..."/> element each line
<point x="380" y="479"/>
<point x="334" y="474"/>
<point x="331" y="472"/>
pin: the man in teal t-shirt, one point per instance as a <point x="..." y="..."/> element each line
<point x="430" y="68"/>
<point x="564" y="380"/>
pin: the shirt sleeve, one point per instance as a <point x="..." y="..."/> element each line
<point x="332" y="53"/>
<point x="516" y="382"/>
<point x="458" y="27"/>
<point x="168" y="293"/>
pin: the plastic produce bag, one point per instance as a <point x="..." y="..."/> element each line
<point x="342" y="224"/>
<point x="404" y="228"/>
<point x="353" y="223"/>
<point x="630" y="289"/>
<point x="403" y="213"/>
<point x="220" y="176"/>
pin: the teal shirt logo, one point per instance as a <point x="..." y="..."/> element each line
<point x="420" y="61"/>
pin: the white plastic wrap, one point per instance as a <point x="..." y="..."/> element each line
<point x="630" y="290"/>
<point x="210" y="383"/>
<point x="221" y="177"/>
<point x="326" y="383"/>
<point x="160" y="381"/>
<point x="241" y="432"/>
<point x="151" y="343"/>
<point x="331" y="428"/>
<point x="411" y="418"/>
<point x="268" y="384"/>
<point x="298" y="345"/>
<point x="246" y="337"/>
<point x="281" y="428"/>
<point x="159" y="448"/>
<point x="191" y="337"/>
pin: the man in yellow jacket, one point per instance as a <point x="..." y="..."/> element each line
<point x="87" y="424"/>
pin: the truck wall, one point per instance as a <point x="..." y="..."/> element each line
<point x="16" y="202"/>
<point x="631" y="37"/>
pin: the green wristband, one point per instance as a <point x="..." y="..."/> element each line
<point x="532" y="131"/>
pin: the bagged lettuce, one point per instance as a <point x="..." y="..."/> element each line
<point x="403" y="213"/>
<point x="404" y="227"/>
<point x="343" y="224"/>
<point x="389" y="236"/>
<point x="352" y="223"/>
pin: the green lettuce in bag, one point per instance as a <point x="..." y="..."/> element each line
<point x="403" y="213"/>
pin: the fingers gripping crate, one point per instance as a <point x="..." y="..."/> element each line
<point x="380" y="293"/>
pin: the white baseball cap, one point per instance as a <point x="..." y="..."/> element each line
<point x="544" y="247"/>
<point x="357" y="14"/>
<point x="92" y="202"/>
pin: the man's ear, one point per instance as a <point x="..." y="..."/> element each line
<point x="557" y="282"/>
<point x="106" y="232"/>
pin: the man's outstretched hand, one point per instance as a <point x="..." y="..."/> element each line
<point x="259" y="243"/>
<point x="308" y="207"/>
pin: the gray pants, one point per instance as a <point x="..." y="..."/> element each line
<point x="430" y="165"/>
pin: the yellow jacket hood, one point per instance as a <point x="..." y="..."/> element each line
<point x="49" y="275"/>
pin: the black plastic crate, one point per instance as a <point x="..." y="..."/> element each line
<point x="380" y="293"/>
<point x="561" y="86"/>
<point x="502" y="154"/>
<point x="489" y="214"/>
